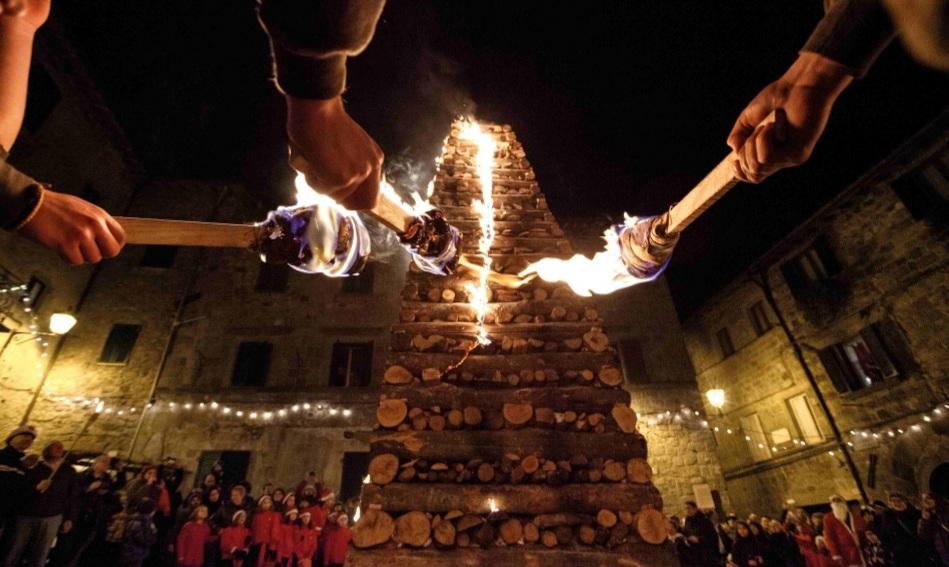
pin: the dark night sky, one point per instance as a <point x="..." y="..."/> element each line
<point x="622" y="105"/>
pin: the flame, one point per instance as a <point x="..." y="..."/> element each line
<point x="419" y="205"/>
<point x="493" y="506"/>
<point x="99" y="407"/>
<point x="478" y="295"/>
<point x="366" y="479"/>
<point x="605" y="273"/>
<point x="357" y="514"/>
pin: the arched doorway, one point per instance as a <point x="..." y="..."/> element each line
<point x="939" y="480"/>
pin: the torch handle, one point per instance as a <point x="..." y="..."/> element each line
<point x="718" y="182"/>
<point x="187" y="233"/>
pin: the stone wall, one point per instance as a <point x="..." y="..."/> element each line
<point x="892" y="273"/>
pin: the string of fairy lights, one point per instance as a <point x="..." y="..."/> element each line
<point x="20" y="293"/>
<point x="248" y="413"/>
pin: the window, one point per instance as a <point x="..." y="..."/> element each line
<point x="233" y="463"/>
<point x="858" y="362"/>
<point x="118" y="346"/>
<point x="351" y="364"/>
<point x="43" y="97"/>
<point x="272" y="278"/>
<point x="252" y="364"/>
<point x="159" y="256"/>
<point x="804" y="417"/>
<point x="925" y="191"/>
<point x="814" y="265"/>
<point x="759" y="318"/>
<point x="362" y="283"/>
<point x="725" y="342"/>
<point x="631" y="357"/>
<point x="754" y="436"/>
<point x="355" y="467"/>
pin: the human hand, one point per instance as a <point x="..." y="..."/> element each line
<point x="44" y="485"/>
<point x="780" y="127"/>
<point x="67" y="526"/>
<point x="78" y="230"/>
<point x="692" y="539"/>
<point x="94" y="486"/>
<point x="338" y="157"/>
<point x="33" y="12"/>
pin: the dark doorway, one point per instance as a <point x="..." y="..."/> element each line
<point x="234" y="463"/>
<point x="939" y="480"/>
<point x="355" y="467"/>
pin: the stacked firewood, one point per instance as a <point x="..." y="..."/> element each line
<point x="530" y="446"/>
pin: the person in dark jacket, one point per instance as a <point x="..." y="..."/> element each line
<point x="746" y="549"/>
<point x="701" y="535"/>
<point x="140" y="534"/>
<point x="782" y="547"/>
<point x="51" y="503"/>
<point x="13" y="473"/>
<point x="933" y="527"/>
<point x="95" y="509"/>
<point x="899" y="533"/>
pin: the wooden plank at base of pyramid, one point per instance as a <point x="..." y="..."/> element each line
<point x="528" y="453"/>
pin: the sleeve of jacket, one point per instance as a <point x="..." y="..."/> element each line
<point x="311" y="40"/>
<point x="852" y="33"/>
<point x="15" y="193"/>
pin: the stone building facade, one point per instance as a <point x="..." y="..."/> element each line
<point x="832" y="349"/>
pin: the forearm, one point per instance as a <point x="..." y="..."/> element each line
<point x="852" y="33"/>
<point x="16" y="50"/>
<point x="311" y="40"/>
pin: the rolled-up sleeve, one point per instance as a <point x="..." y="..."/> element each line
<point x="852" y="33"/>
<point x="311" y="40"/>
<point x="16" y="195"/>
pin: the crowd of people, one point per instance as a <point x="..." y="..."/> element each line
<point x="893" y="534"/>
<point x="52" y="514"/>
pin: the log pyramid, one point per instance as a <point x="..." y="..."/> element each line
<point x="527" y="453"/>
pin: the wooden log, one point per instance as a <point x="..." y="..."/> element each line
<point x="375" y="527"/>
<point x="412" y="529"/>
<point x="455" y="446"/>
<point x="407" y="474"/>
<point x="606" y="518"/>
<point x="531" y="533"/>
<point x="430" y="375"/>
<point x="614" y="471"/>
<point x="610" y="376"/>
<point x="436" y="422"/>
<point x="512" y="531"/>
<point x="530" y="464"/>
<point x="444" y="533"/>
<point x="456" y="418"/>
<point x="462" y="540"/>
<point x="637" y="555"/>
<point x="469" y="521"/>
<point x="617" y="535"/>
<point x="517" y="414"/>
<point x="626" y="517"/>
<point x="514" y="499"/>
<point x="565" y="535"/>
<point x="558" y="313"/>
<point x="383" y="468"/>
<point x="548" y="538"/>
<point x="420" y="422"/>
<point x="586" y="375"/>
<point x="484" y="535"/>
<point x="391" y="412"/>
<point x="448" y="295"/>
<point x="561" y="519"/>
<point x="587" y="535"/>
<point x="596" y="340"/>
<point x="433" y="295"/>
<point x="579" y="399"/>
<point x="639" y="471"/>
<point x="485" y="472"/>
<point x="472" y="416"/>
<point x="625" y="418"/>
<point x="397" y="375"/>
<point x="453" y="514"/>
<point x="651" y="525"/>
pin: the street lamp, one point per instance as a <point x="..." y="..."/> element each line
<point x="61" y="323"/>
<point x="716" y="397"/>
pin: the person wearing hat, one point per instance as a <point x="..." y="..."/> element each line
<point x="13" y="471"/>
<point x="843" y="533"/>
<point x="235" y="540"/>
<point x="338" y="536"/>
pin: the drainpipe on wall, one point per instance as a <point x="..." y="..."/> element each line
<point x="762" y="281"/>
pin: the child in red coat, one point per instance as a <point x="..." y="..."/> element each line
<point x="307" y="534"/>
<point x="337" y="542"/>
<point x="265" y="533"/>
<point x="287" y="533"/>
<point x="235" y="540"/>
<point x="189" y="548"/>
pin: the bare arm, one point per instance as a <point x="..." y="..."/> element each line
<point x="17" y="29"/>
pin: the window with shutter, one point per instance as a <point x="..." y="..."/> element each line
<point x="759" y="318"/>
<point x="812" y="266"/>
<point x="858" y="362"/>
<point x="351" y="364"/>
<point x="725" y="342"/>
